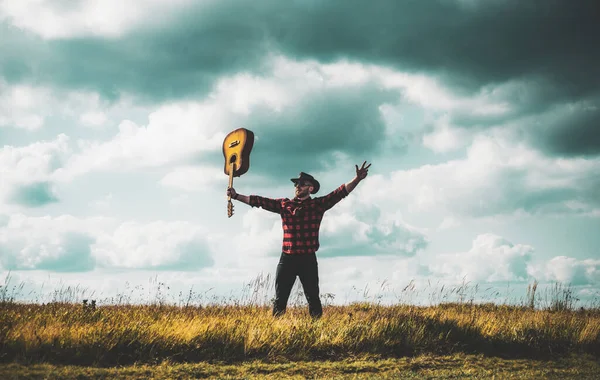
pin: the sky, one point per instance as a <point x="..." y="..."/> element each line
<point x="480" y="120"/>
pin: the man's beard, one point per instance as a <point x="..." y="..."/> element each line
<point x="302" y="193"/>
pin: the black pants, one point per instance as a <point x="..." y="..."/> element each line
<point x="306" y="268"/>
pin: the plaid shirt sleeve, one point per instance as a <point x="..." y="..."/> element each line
<point x="331" y="199"/>
<point x="273" y="205"/>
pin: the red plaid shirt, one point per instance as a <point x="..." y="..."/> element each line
<point x="300" y="219"/>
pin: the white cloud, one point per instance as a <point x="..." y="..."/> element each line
<point x="109" y="18"/>
<point x="35" y="161"/>
<point x="497" y="177"/>
<point x="568" y="270"/>
<point x="174" y="132"/>
<point x="58" y="244"/>
<point x="351" y="228"/>
<point x="177" y="131"/>
<point x="417" y="89"/>
<point x="93" y="118"/>
<point x="76" y="244"/>
<point x="191" y="178"/>
<point x="23" y="106"/>
<point x="31" y="169"/>
<point x="490" y="259"/>
<point x="445" y="138"/>
<point x="375" y="279"/>
<point x="363" y="230"/>
<point x="28" y="107"/>
<point x="261" y="234"/>
<point x="158" y="245"/>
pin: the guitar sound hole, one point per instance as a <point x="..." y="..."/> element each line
<point x="233" y="159"/>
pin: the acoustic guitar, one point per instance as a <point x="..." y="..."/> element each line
<point x="236" y="151"/>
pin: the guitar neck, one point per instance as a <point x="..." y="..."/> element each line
<point x="231" y="178"/>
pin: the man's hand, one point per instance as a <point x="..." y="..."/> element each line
<point x="231" y="192"/>
<point x="237" y="196"/>
<point x="362" y="172"/>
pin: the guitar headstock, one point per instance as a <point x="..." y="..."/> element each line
<point x="229" y="209"/>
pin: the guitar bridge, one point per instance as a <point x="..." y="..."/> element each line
<point x="234" y="143"/>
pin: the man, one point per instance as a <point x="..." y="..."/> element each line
<point x="301" y="219"/>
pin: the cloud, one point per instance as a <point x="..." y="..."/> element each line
<point x="163" y="141"/>
<point x="445" y="138"/>
<point x="28" y="171"/>
<point x="191" y="178"/>
<point x="30" y="107"/>
<point x="61" y="244"/>
<point x="158" y="245"/>
<point x="81" y="18"/>
<point x="311" y="130"/>
<point x="20" y="106"/>
<point x="490" y="259"/>
<point x="567" y="130"/>
<point x="568" y="270"/>
<point x="67" y="253"/>
<point x="351" y="228"/>
<point x="290" y="115"/>
<point x="498" y="176"/>
<point x="171" y="62"/>
<point x="93" y="118"/>
<point x="192" y="45"/>
<point x="67" y="243"/>
<point x="358" y="228"/>
<point x="447" y="37"/>
<point x="260" y="234"/>
<point x="446" y="40"/>
<point x="34" y="195"/>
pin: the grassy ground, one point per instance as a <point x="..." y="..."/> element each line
<point x="362" y="340"/>
<point x="63" y="340"/>
<point x="123" y="335"/>
<point x="458" y="366"/>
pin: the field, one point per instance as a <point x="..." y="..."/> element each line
<point x="361" y="340"/>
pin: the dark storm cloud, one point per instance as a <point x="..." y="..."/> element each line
<point x="548" y="46"/>
<point x="470" y="44"/>
<point x="579" y="134"/>
<point x="485" y="43"/>
<point x="159" y="65"/>
<point x="478" y="44"/>
<point x="307" y="136"/>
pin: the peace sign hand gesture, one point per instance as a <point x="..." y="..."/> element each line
<point x="362" y="172"/>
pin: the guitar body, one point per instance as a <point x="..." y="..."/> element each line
<point x="236" y="150"/>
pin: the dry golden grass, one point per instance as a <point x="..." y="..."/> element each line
<point x="458" y="366"/>
<point x="63" y="339"/>
<point x="64" y="333"/>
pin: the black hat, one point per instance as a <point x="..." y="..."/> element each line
<point x="308" y="178"/>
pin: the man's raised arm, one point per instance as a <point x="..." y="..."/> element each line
<point x="273" y="205"/>
<point x="361" y="173"/>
